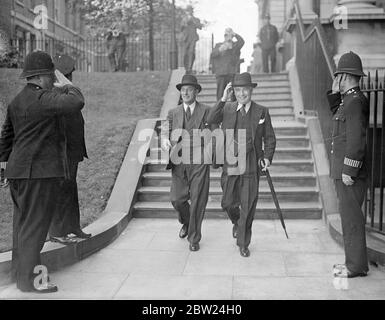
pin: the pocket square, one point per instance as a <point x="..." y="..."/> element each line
<point x="262" y="121"/>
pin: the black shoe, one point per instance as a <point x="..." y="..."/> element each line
<point x="48" y="288"/>
<point x="183" y="232"/>
<point x="235" y="230"/>
<point x="194" y="247"/>
<point x="63" y="240"/>
<point x="245" y="252"/>
<point x="341" y="271"/>
<point x="82" y="235"/>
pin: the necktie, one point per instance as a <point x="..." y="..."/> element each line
<point x="243" y="110"/>
<point x="188" y="113"/>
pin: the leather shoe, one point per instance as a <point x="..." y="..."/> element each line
<point x="341" y="271"/>
<point x="235" y="230"/>
<point x="47" y="288"/>
<point x="183" y="232"/>
<point x="82" y="235"/>
<point x="63" y="240"/>
<point x="245" y="252"/>
<point x="194" y="247"/>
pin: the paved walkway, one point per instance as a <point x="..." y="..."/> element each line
<point x="149" y="261"/>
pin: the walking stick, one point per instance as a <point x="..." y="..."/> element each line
<point x="279" y="211"/>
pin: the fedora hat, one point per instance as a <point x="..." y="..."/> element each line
<point x="37" y="63"/>
<point x="189" y="80"/>
<point x="243" y="80"/>
<point x="64" y="63"/>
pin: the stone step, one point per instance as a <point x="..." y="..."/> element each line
<point x="287" y="179"/>
<point x="255" y="77"/>
<point x="282" y="141"/>
<point x="264" y="85"/>
<point x="207" y="95"/>
<point x="214" y="211"/>
<point x="278" y="166"/>
<point x="280" y="153"/>
<point x="294" y="194"/>
<point x="280" y="103"/>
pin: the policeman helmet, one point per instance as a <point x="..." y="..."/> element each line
<point x="64" y="63"/>
<point x="350" y="63"/>
<point x="37" y="63"/>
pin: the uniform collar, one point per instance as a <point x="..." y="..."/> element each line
<point x="34" y="86"/>
<point x="351" y="91"/>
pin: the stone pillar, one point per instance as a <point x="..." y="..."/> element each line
<point x="360" y="6"/>
<point x="27" y="43"/>
<point x="306" y="7"/>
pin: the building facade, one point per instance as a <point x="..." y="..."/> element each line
<point x="47" y="25"/>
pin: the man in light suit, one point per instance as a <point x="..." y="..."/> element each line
<point x="190" y="179"/>
<point x="240" y="188"/>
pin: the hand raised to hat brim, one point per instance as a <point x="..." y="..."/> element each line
<point x="227" y="92"/>
<point x="61" y="80"/>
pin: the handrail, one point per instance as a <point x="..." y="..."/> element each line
<point x="316" y="26"/>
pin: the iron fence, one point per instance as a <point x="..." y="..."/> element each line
<point x="374" y="204"/>
<point x="100" y="55"/>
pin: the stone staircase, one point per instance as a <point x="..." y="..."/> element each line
<point x="292" y="172"/>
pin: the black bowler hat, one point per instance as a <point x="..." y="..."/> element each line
<point x="37" y="63"/>
<point x="189" y="80"/>
<point x="64" y="63"/>
<point x="350" y="63"/>
<point x="243" y="80"/>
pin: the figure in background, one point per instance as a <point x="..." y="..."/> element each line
<point x="190" y="24"/>
<point x="348" y="163"/>
<point x="225" y="60"/>
<point x="269" y="37"/>
<point x="116" y="47"/>
<point x="66" y="219"/>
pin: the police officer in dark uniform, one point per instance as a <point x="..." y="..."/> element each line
<point x="66" y="219"/>
<point x="30" y="143"/>
<point x="350" y="110"/>
<point x="269" y="37"/>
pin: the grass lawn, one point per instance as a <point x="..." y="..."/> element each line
<point x="114" y="104"/>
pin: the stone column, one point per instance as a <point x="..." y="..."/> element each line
<point x="306" y="7"/>
<point x="360" y="6"/>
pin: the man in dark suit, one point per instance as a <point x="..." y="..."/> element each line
<point x="250" y="125"/>
<point x="225" y="60"/>
<point x="190" y="37"/>
<point x="190" y="178"/>
<point x="66" y="219"/>
<point x="30" y="143"/>
<point x="268" y="35"/>
<point x="348" y="164"/>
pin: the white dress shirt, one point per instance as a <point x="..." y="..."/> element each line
<point x="247" y="107"/>
<point x="192" y="107"/>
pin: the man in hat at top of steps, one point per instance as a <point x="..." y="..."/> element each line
<point x="190" y="178"/>
<point x="268" y="36"/>
<point x="348" y="165"/>
<point x="66" y="219"/>
<point x="30" y="143"/>
<point x="240" y="187"/>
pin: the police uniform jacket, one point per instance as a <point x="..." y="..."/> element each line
<point x="350" y="122"/>
<point x="262" y="130"/>
<point x="30" y="138"/>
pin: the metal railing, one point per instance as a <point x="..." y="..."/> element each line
<point x="374" y="204"/>
<point x="99" y="55"/>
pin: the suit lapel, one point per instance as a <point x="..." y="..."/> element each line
<point x="232" y="116"/>
<point x="256" y="113"/>
<point x="198" y="115"/>
<point x="179" y="117"/>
